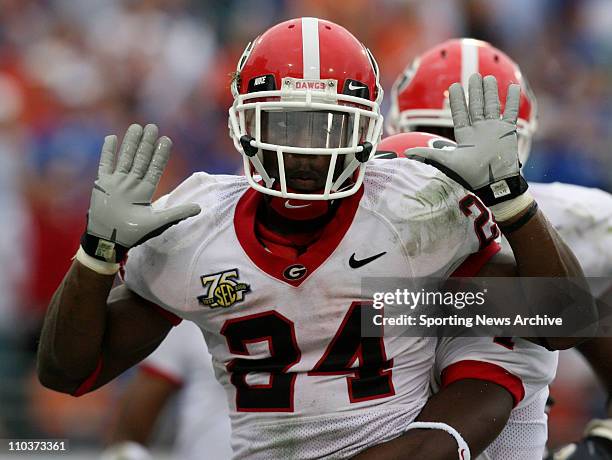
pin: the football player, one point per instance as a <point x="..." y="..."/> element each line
<point x="270" y="265"/>
<point x="583" y="216"/>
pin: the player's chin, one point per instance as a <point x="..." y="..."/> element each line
<point x="305" y="185"/>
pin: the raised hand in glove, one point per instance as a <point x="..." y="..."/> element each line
<point x="120" y="214"/>
<point x="485" y="160"/>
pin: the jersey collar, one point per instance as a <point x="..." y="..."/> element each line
<point x="292" y="271"/>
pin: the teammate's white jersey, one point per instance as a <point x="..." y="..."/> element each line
<point x="583" y="218"/>
<point x="284" y="334"/>
<point x="203" y="425"/>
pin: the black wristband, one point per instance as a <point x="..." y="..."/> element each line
<point x="514" y="226"/>
<point x="502" y="190"/>
<point x="101" y="249"/>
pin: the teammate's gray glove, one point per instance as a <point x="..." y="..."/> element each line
<point x="120" y="214"/>
<point x="485" y="160"/>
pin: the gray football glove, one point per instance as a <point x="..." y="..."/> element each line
<point x="485" y="160"/>
<point x="120" y="214"/>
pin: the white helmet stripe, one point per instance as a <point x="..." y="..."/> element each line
<point x="310" y="48"/>
<point x="469" y="61"/>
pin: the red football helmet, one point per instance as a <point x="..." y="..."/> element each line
<point x="396" y="145"/>
<point x="419" y="97"/>
<point x="306" y="87"/>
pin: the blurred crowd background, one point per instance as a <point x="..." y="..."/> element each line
<point x="72" y="72"/>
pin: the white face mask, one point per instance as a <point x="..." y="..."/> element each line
<point x="306" y="118"/>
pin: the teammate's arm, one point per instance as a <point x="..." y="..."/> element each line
<point x="477" y="409"/>
<point x="487" y="149"/>
<point x="88" y="337"/>
<point x="538" y="251"/>
<point x="486" y="162"/>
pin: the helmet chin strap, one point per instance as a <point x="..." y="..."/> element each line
<point x="299" y="209"/>
<point x="302" y="210"/>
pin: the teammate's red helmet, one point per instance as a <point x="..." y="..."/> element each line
<point x="306" y="86"/>
<point x="419" y="97"/>
<point x="397" y="144"/>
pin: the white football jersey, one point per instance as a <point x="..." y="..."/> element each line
<point x="203" y="430"/>
<point x="284" y="334"/>
<point x="583" y="218"/>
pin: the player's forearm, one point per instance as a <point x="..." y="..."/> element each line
<point x="73" y="330"/>
<point x="540" y="252"/>
<point x="429" y="444"/>
<point x="478" y="410"/>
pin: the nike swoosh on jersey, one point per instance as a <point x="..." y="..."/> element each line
<point x="354" y="263"/>
<point x="297" y="206"/>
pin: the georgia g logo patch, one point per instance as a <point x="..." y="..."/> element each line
<point x="223" y="289"/>
<point x="295" y="272"/>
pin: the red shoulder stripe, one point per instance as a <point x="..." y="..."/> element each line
<point x="481" y="370"/>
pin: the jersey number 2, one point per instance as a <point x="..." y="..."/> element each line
<point x="484" y="226"/>
<point x="372" y="379"/>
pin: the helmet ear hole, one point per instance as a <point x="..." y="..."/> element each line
<point x="245" y="142"/>
<point x="364" y="155"/>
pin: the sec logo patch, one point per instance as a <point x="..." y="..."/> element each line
<point x="223" y="289"/>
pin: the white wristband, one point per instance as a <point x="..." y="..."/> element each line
<point x="508" y="209"/>
<point x="463" y="450"/>
<point x="98" y="266"/>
